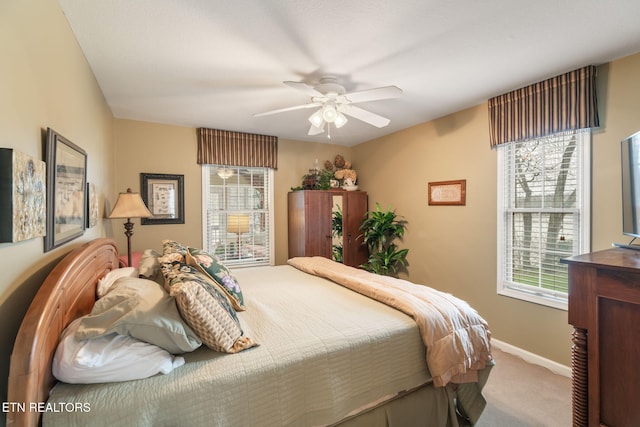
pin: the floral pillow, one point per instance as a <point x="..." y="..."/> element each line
<point x="211" y="266"/>
<point x="205" y="308"/>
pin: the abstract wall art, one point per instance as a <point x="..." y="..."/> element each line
<point x="22" y="196"/>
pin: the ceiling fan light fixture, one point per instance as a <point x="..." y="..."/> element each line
<point x="332" y="104"/>
<point x="316" y="118"/>
<point x="329" y="113"/>
<point x="225" y="173"/>
<point x="314" y="130"/>
<point x="341" y="120"/>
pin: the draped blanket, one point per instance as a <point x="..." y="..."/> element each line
<point x="456" y="337"/>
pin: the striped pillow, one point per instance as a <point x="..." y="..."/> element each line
<point x="205" y="308"/>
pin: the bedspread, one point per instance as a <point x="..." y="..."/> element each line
<point x="456" y="338"/>
<point x="324" y="351"/>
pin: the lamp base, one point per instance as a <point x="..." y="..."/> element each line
<point x="128" y="231"/>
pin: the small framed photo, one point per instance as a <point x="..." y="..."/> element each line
<point x="448" y="192"/>
<point x="92" y="205"/>
<point x="164" y="196"/>
<point x="66" y="190"/>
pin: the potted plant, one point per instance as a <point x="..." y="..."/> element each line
<point x="379" y="230"/>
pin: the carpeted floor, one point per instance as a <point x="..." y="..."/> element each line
<point x="520" y="394"/>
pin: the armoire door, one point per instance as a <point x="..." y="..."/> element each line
<point x="311" y="225"/>
<point x="354" y="251"/>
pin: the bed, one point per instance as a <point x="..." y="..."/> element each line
<point x="325" y="354"/>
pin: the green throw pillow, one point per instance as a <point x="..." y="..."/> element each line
<point x="217" y="271"/>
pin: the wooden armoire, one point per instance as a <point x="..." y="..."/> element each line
<point x="311" y="213"/>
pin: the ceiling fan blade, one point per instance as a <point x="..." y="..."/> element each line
<point x="365" y="116"/>
<point x="282" y="110"/>
<point x="316" y="130"/>
<point x="385" y="92"/>
<point x="305" y="88"/>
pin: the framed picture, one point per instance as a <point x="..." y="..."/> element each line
<point x="66" y="190"/>
<point x="448" y="192"/>
<point x="23" y="194"/>
<point x="164" y="196"/>
<point x="92" y="205"/>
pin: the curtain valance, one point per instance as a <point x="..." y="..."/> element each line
<point x="559" y="104"/>
<point x="223" y="147"/>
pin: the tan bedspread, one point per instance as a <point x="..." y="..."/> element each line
<point x="456" y="338"/>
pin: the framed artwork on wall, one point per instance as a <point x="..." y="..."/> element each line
<point x="92" y="205"/>
<point x="23" y="196"/>
<point x="448" y="192"/>
<point x="164" y="196"/>
<point x="66" y="190"/>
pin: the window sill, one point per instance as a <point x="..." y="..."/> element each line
<point x="534" y="298"/>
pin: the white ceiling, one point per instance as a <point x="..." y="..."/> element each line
<point x="216" y="63"/>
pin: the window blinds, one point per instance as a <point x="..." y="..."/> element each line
<point x="542" y="210"/>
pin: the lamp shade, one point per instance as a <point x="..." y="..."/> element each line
<point x="341" y="120"/>
<point x="238" y="224"/>
<point x="130" y="205"/>
<point x="329" y="113"/>
<point x="316" y="118"/>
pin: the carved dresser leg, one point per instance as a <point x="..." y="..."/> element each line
<point x="579" y="378"/>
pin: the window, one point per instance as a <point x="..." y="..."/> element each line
<point x="237" y="214"/>
<point x="543" y="214"/>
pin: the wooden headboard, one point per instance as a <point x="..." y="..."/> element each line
<point x="66" y="294"/>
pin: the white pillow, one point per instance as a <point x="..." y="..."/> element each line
<point x="107" y="281"/>
<point x="149" y="267"/>
<point x="143" y="310"/>
<point x="110" y="358"/>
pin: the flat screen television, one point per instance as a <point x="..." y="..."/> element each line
<point x="630" y="156"/>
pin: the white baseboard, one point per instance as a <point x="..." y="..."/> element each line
<point x="555" y="367"/>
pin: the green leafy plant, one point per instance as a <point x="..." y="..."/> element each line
<point x="336" y="231"/>
<point x="324" y="179"/>
<point x="337" y="252"/>
<point x="319" y="180"/>
<point x="336" y="222"/>
<point x="379" y="230"/>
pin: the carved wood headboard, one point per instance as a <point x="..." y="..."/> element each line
<point x="66" y="294"/>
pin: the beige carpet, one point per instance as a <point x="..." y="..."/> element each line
<point x="520" y="394"/>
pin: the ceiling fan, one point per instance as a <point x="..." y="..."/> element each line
<point x="334" y="103"/>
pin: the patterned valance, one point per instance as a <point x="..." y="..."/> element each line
<point x="223" y="147"/>
<point x="559" y="104"/>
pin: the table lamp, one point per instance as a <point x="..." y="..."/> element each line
<point x="238" y="224"/>
<point x="129" y="205"/>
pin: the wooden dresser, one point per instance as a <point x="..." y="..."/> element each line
<point x="604" y="309"/>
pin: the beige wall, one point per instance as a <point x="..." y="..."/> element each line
<point x="45" y="81"/>
<point x="453" y="248"/>
<point x="153" y="148"/>
<point x="143" y="147"/>
<point x="619" y="106"/>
